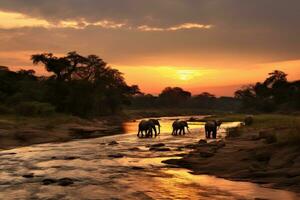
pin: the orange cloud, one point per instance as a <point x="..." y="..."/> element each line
<point x="175" y="28"/>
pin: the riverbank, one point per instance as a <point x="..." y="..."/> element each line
<point x="18" y="131"/>
<point x="266" y="152"/>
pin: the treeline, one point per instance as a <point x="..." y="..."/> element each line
<point x="82" y="86"/>
<point x="176" y="97"/>
<point x="87" y="87"/>
<point x="276" y="93"/>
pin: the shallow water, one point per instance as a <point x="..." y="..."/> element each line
<point x="139" y="174"/>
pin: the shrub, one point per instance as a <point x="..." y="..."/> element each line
<point x="35" y="109"/>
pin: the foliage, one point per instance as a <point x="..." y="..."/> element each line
<point x="34" y="109"/>
<point x="175" y="98"/>
<point x="275" y="93"/>
<point x="79" y="85"/>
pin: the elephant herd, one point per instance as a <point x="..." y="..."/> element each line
<point x="147" y="127"/>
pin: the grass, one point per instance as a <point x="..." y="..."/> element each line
<point x="286" y="128"/>
<point x="49" y="122"/>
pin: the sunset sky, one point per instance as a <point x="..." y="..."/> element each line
<point x="200" y="45"/>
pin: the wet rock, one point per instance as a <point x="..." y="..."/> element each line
<point x="191" y="146"/>
<point x="49" y="181"/>
<point x="134" y="149"/>
<point x="263" y="156"/>
<point x="137" y="168"/>
<point x="159" y="149"/>
<point x="30" y="175"/>
<point x="157" y="145"/>
<point x="70" y="157"/>
<point x="202" y="142"/>
<point x="118" y="155"/>
<point x="179" y="148"/>
<point x="65" y="182"/>
<point x="113" y="143"/>
<point x="206" y="154"/>
<point x="269" y="136"/>
<point x="255" y="137"/>
<point x="217" y="144"/>
<point x="293" y="173"/>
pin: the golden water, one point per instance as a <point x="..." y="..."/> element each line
<point x="138" y="175"/>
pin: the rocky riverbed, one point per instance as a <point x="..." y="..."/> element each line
<point x="120" y="167"/>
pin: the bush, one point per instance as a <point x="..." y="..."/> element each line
<point x="35" y="109"/>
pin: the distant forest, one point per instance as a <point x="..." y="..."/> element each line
<point x="87" y="87"/>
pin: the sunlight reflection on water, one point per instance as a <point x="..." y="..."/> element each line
<point x="136" y="172"/>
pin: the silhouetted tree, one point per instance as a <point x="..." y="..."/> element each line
<point x="174" y="96"/>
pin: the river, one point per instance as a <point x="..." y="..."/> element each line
<point x="127" y="170"/>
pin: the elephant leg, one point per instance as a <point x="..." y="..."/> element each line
<point x="215" y="134"/>
<point x="155" y="131"/>
<point x="183" y="131"/>
<point x="208" y="134"/>
<point x="151" y="133"/>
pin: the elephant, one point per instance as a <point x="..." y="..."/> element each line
<point x="179" y="125"/>
<point x="148" y="126"/>
<point x="212" y="127"/>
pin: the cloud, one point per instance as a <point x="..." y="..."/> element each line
<point x="175" y="28"/>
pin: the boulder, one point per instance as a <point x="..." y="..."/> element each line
<point x="159" y="149"/>
<point x="157" y="145"/>
<point x="65" y="182"/>
<point x="206" y="154"/>
<point x="118" y="155"/>
<point x="113" y="143"/>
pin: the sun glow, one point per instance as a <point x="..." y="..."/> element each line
<point x="186" y="75"/>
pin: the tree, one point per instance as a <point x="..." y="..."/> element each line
<point x="174" y="96"/>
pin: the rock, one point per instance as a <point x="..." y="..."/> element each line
<point x="31" y="175"/>
<point x="65" y="182"/>
<point x="113" y="143"/>
<point x="134" y="149"/>
<point x="202" y="142"/>
<point x="263" y="156"/>
<point x="206" y="154"/>
<point x="70" y="157"/>
<point x="270" y="137"/>
<point x="255" y="137"/>
<point x="49" y="181"/>
<point x="221" y="144"/>
<point x="217" y="144"/>
<point x="137" y="168"/>
<point x="157" y="145"/>
<point x="191" y="146"/>
<point x="159" y="149"/>
<point x="118" y="155"/>
<point x="179" y="148"/>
